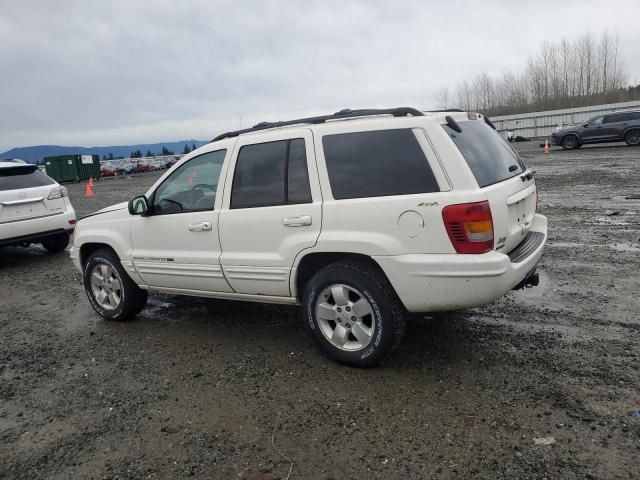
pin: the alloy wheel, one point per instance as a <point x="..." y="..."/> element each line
<point x="345" y="317"/>
<point x="106" y="286"/>
<point x="633" y="137"/>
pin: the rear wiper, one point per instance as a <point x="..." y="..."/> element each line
<point x="452" y="124"/>
<point x="489" y="122"/>
<point x="528" y="175"/>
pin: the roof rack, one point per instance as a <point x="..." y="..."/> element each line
<point x="346" y="113"/>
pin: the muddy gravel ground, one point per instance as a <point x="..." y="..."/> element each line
<point x="543" y="383"/>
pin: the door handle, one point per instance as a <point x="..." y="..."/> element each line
<point x="200" y="227"/>
<point x="298" y="221"/>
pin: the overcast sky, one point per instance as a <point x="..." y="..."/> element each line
<point x="116" y="72"/>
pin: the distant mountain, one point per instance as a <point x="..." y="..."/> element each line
<point x="37" y="153"/>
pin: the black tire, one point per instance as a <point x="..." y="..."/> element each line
<point x="387" y="311"/>
<point x="56" y="244"/>
<point x="132" y="298"/>
<point x="632" y="137"/>
<point x="569" y="142"/>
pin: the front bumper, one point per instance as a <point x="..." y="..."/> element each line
<point x="74" y="253"/>
<point x="444" y="282"/>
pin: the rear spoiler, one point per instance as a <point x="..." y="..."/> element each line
<point x="18" y="169"/>
<point x="453" y="125"/>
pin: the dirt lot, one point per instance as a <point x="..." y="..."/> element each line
<point x="200" y="388"/>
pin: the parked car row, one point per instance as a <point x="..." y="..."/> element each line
<point x="111" y="168"/>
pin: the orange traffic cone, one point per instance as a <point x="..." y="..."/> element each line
<point x="546" y="146"/>
<point x="89" y="191"/>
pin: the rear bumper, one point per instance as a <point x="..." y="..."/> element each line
<point x="432" y="282"/>
<point x="36" y="229"/>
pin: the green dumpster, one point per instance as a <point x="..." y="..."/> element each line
<point x="72" y="168"/>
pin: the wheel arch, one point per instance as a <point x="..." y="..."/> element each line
<point x="88" y="248"/>
<point x="574" y="134"/>
<point x="311" y="263"/>
<point x="629" y="129"/>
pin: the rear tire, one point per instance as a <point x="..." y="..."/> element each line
<point x="353" y="314"/>
<point x="632" y="137"/>
<point x="56" y="244"/>
<point x="109" y="288"/>
<point x="569" y="142"/>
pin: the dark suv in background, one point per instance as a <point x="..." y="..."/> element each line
<point x="611" y="127"/>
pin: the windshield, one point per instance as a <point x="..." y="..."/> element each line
<point x="14" y="178"/>
<point x="489" y="156"/>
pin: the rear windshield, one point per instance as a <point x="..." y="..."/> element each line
<point x="14" y="178"/>
<point x="489" y="156"/>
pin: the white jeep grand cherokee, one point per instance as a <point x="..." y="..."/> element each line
<point x="360" y="216"/>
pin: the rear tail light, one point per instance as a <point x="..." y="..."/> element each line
<point x="470" y="227"/>
<point x="57" y="192"/>
<point x="472" y="115"/>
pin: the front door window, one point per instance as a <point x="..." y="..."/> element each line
<point x="192" y="187"/>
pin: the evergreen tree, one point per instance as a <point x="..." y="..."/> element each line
<point x="186" y="149"/>
<point x="193" y="147"/>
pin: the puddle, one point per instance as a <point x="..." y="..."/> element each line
<point x="565" y="244"/>
<point x="625" y="247"/>
<point x="612" y="220"/>
<point x="620" y="247"/>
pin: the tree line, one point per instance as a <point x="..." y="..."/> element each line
<point x="564" y="74"/>
<point x="164" y="152"/>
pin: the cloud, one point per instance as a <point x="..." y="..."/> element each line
<point x="88" y="73"/>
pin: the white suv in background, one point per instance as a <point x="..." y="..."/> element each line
<point x="360" y="216"/>
<point x="33" y="208"/>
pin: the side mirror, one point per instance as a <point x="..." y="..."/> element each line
<point x="139" y="205"/>
<point x="585" y="125"/>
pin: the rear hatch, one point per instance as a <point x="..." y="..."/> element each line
<point x="502" y="176"/>
<point x="26" y="192"/>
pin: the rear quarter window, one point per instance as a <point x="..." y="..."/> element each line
<point x="489" y="156"/>
<point x="377" y="163"/>
<point x="18" y="177"/>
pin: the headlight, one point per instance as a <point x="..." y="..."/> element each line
<point x="57" y="192"/>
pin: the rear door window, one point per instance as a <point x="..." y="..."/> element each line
<point x="622" y="117"/>
<point x="271" y="173"/>
<point x="15" y="178"/>
<point x="489" y="156"/>
<point x="377" y="163"/>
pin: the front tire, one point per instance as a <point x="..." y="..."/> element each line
<point x="353" y="314"/>
<point x="109" y="288"/>
<point x="569" y="142"/>
<point x="632" y="137"/>
<point x="56" y="244"/>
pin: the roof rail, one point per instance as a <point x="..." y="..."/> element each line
<point x="447" y="110"/>
<point x="346" y="113"/>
